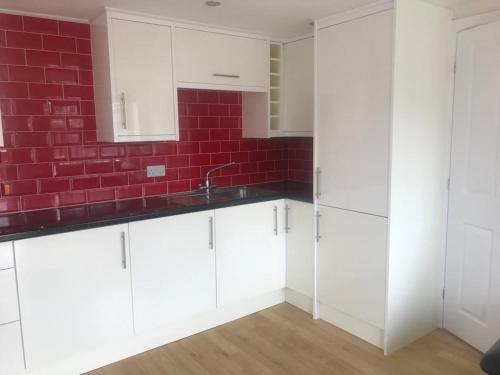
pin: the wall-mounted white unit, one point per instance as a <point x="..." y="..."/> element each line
<point x="135" y="94"/>
<point x="382" y="89"/>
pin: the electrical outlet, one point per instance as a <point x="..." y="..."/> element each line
<point x="155" y="170"/>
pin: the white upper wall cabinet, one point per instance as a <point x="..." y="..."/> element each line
<point x="135" y="94"/>
<point x="206" y="59"/>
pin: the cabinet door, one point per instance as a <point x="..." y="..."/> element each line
<point x="251" y="251"/>
<point x="300" y="247"/>
<point x="352" y="264"/>
<point x="220" y="59"/>
<point x="74" y="292"/>
<point x="11" y="349"/>
<point x="354" y="87"/>
<point x="298" y="85"/>
<point x="143" y="97"/>
<point x="173" y="268"/>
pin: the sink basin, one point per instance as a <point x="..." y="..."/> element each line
<point x="218" y="195"/>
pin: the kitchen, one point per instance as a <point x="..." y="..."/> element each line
<point x="169" y="170"/>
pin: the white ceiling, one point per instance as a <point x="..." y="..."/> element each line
<point x="278" y="18"/>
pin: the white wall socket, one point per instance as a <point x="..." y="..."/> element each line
<point x="155" y="170"/>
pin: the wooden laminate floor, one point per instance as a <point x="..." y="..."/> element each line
<point x="283" y="340"/>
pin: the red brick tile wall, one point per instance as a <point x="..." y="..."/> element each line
<point x="51" y="157"/>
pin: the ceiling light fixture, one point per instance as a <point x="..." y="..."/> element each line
<point x="212" y="3"/>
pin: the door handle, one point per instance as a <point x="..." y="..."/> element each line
<point x="318" y="216"/>
<point x="211" y="233"/>
<point x="318" y="190"/>
<point x="226" y="75"/>
<point x="275" y="209"/>
<point x="124" y="251"/>
<point x="124" y="110"/>
<point x="287" y="226"/>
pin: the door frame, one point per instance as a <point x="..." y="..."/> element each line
<point x="459" y="25"/>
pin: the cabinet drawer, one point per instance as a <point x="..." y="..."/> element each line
<point x="6" y="255"/>
<point x="11" y="349"/>
<point x="9" y="310"/>
<point x="219" y="59"/>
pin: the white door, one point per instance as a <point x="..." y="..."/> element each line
<point x="251" y="251"/>
<point x="74" y="292"/>
<point x="472" y="305"/>
<point x="173" y="269"/>
<point x="143" y="78"/>
<point x="354" y="88"/>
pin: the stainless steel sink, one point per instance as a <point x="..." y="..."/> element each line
<point x="217" y="195"/>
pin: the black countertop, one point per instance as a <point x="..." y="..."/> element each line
<point x="21" y="225"/>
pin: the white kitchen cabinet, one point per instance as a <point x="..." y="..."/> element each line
<point x="352" y="264"/>
<point x="135" y="94"/>
<point x="210" y="59"/>
<point x="173" y="269"/>
<point x="9" y="309"/>
<point x="251" y="251"/>
<point x="74" y="292"/>
<point x="6" y="256"/>
<point x="300" y="247"/>
<point x="11" y="349"/>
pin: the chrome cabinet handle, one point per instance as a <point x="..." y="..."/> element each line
<point x="226" y="75"/>
<point x="287" y="226"/>
<point x="124" y="111"/>
<point x="318" y="174"/>
<point x="211" y="233"/>
<point x="124" y="251"/>
<point x="318" y="216"/>
<point x="275" y="209"/>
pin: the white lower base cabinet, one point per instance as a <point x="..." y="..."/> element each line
<point x="251" y="251"/>
<point x="173" y="269"/>
<point x="300" y="247"/>
<point x="352" y="271"/>
<point x="11" y="349"/>
<point x="74" y="292"/>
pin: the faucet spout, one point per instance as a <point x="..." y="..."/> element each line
<point x="208" y="186"/>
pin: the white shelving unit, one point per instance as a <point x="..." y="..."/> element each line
<point x="275" y="80"/>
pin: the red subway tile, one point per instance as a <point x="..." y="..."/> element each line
<point x="171" y="174"/>
<point x="87" y="107"/>
<point x="139" y="177"/>
<point x="198" y="135"/>
<point x="98" y="166"/>
<point x="75" y="60"/>
<point x="114" y="180"/>
<point x="40" y="25"/>
<point x="153" y="160"/>
<point x="82" y="123"/>
<point x="257" y="156"/>
<point x="196" y="183"/>
<point x="208" y="147"/>
<point x="19" y="187"/>
<point x="11" y="22"/>
<point x="13" y="90"/>
<point x="197" y="109"/>
<point x="83" y="152"/>
<point x="181" y="109"/>
<point x="266" y="166"/>
<point x="219" y="134"/>
<point x="30" y="107"/>
<point x="257" y="178"/>
<point x="199" y="159"/>
<point x="8" y="172"/>
<point x="179" y="186"/>
<point x="67" y="138"/>
<point x="208" y="96"/>
<point x="187" y="96"/>
<point x="229" y="97"/>
<point x="235" y="134"/>
<point x="233" y="169"/>
<point x="177" y="161"/>
<point x="42" y="58"/>
<point x="229" y="122"/>
<point x="26" y="73"/>
<point x="89" y="137"/>
<point x="54" y="185"/>
<point x="100" y="195"/>
<point x="12" y="56"/>
<point x="29" y="139"/>
<point x="85" y="77"/>
<point x="64" y="107"/>
<point x="239" y="157"/>
<point x="16" y="39"/>
<point x="188" y="122"/>
<point x="8" y="140"/>
<point x="249" y="145"/>
<point x="50" y="154"/>
<point x="45" y="123"/>
<point x="189" y="173"/>
<point x="235" y="110"/>
<point x="59" y="43"/>
<point x="122" y="165"/>
<point x="16" y="156"/>
<point x="208" y="122"/>
<point x="41" y="91"/>
<point x="164" y="148"/>
<point x="68" y="168"/>
<point x="219" y="110"/>
<point x="222" y="181"/>
<point x="67" y="76"/>
<point x="83" y="183"/>
<point x="10" y="204"/>
<point x="71" y="198"/>
<point x="189" y="147"/>
<point x="157" y="188"/>
<point x="4" y="73"/>
<point x="79" y="92"/>
<point x="35" y="202"/>
<point x="229" y="146"/>
<point x="2" y="38"/>
<point x="112" y="151"/>
<point x="241" y="179"/>
<point x="28" y="171"/>
<point x="126" y="192"/>
<point x="7" y="107"/>
<point x="144" y="149"/>
<point x="83" y="46"/>
<point x="76" y="29"/>
<point x="220" y="158"/>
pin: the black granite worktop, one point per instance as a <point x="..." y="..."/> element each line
<point x="58" y="220"/>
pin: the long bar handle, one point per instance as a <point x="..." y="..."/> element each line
<point x="275" y="209"/>
<point x="318" y="181"/>
<point x="287" y="226"/>
<point x="226" y="75"/>
<point x="318" y="216"/>
<point x="124" y="110"/>
<point x="124" y="251"/>
<point x="211" y="233"/>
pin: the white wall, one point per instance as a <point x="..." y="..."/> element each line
<point x="419" y="170"/>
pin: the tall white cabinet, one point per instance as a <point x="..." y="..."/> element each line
<point x="383" y="73"/>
